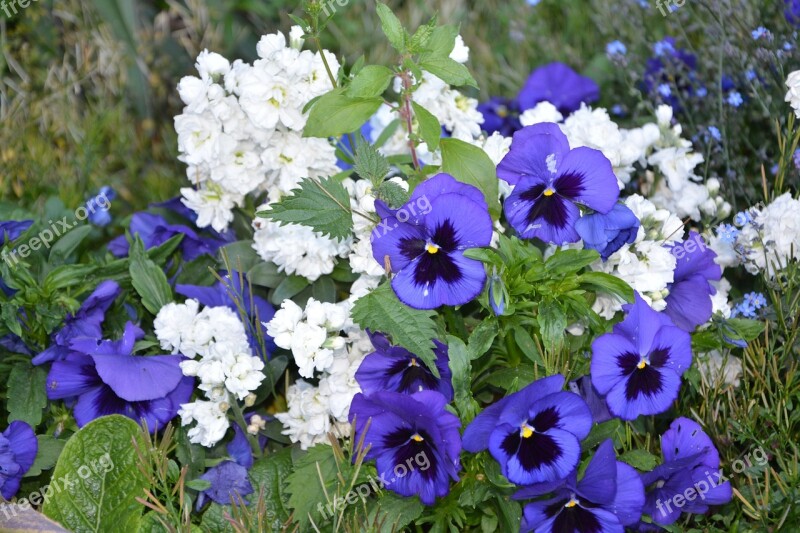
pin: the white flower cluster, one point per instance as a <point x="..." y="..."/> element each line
<point x="793" y="94"/>
<point x="241" y="128"/>
<point x="647" y="265"/>
<point x="220" y="357"/>
<point x="325" y="344"/>
<point x="457" y="113"/>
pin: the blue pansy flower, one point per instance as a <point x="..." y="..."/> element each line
<point x="689" y="300"/>
<point x="395" y="369"/>
<point x="535" y="433"/>
<point x="558" y="84"/>
<point x="104" y="378"/>
<point x="638" y="367"/>
<point x="597" y="405"/>
<point x="551" y="181"/>
<point x="87" y="321"/>
<point x="229" y="479"/>
<point x="10" y="230"/>
<point x="609" y="496"/>
<point x="154" y="231"/>
<point x="424" y="243"/>
<point x="500" y="115"/>
<point x="18" y="447"/>
<point x="608" y="232"/>
<point x="414" y="441"/>
<point x="690" y="462"/>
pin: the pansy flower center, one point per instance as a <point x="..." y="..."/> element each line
<point x="572" y="502"/>
<point x="526" y="431"/>
<point x="549" y="191"/>
<point x="416" y="437"/>
<point x="643" y="362"/>
<point x="413" y="362"/>
<point x="431" y="248"/>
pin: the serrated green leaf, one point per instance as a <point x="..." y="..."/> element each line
<point x="450" y="71"/>
<point x="461" y="370"/>
<point x="323" y="205"/>
<point x="270" y="475"/>
<point x="27" y="395"/>
<point x="313" y="478"/>
<point x="394" y="513"/>
<point x="640" y="459"/>
<point x="105" y="498"/>
<point x="391" y="193"/>
<point x="429" y="128"/>
<point x="413" y="329"/>
<point x="442" y="41"/>
<point x="149" y="280"/>
<point x="369" y="163"/>
<point x="335" y="114"/>
<point x="392" y="27"/>
<point x="469" y="164"/>
<point x="370" y="81"/>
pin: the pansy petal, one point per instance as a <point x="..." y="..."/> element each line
<point x="536" y="518"/>
<point x="436" y="186"/>
<point x="629" y="496"/>
<point x="649" y="396"/>
<point x="672" y="348"/>
<point x="399" y="242"/>
<point x="137" y="378"/>
<point x="71" y="377"/>
<point x="599" y="483"/>
<point x="464" y="282"/>
<point x="686" y="438"/>
<point x="533" y="215"/>
<point x="586" y="176"/>
<point x="607" y="350"/>
<point x="535" y="154"/>
<point x="23" y="441"/>
<point x="539" y="457"/>
<point x="689" y="302"/>
<point x="641" y="323"/>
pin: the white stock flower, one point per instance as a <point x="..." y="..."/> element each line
<point x="793" y="94"/>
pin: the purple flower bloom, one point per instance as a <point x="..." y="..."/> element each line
<point x="395" y="369"/>
<point x="608" y="497"/>
<point x="415" y="441"/>
<point x="607" y="233"/>
<point x="616" y="48"/>
<point x="229" y="480"/>
<point x="500" y="115"/>
<point x="497" y="294"/>
<point x="85" y="322"/>
<point x="535" y="433"/>
<point x="638" y="367"/>
<point x="154" y="231"/>
<point x="791" y="12"/>
<point x="98" y="206"/>
<point x="18" y="447"/>
<point x="597" y="405"/>
<point x="425" y="241"/>
<point x="734" y="99"/>
<point x="558" y="84"/>
<point x="231" y="294"/>
<point x="106" y="379"/>
<point x="689" y="300"/>
<point x="690" y="461"/>
<point x="551" y="181"/>
<point x="10" y="230"/>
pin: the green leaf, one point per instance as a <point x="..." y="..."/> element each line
<point x="289" y="287"/>
<point x="601" y="432"/>
<point x="67" y="244"/>
<point x="429" y="128"/>
<point x="485" y="255"/>
<point x="552" y="323"/>
<point x="469" y="164"/>
<point x="46" y="455"/>
<point x="391" y="193"/>
<point x="335" y="114"/>
<point x="461" y="370"/>
<point x="525" y="343"/>
<point x="450" y="71"/>
<point x="442" y="41"/>
<point x="369" y="163"/>
<point x="97" y="479"/>
<point x="640" y="459"/>
<point x="198" y="484"/>
<point x="413" y="329"/>
<point x="392" y="27"/>
<point x="191" y="455"/>
<point x="240" y="255"/>
<point x="568" y="261"/>
<point x="313" y="478"/>
<point x="27" y="386"/>
<point x="745" y="328"/>
<point x="149" y="280"/>
<point x="602" y="282"/>
<point x="482" y="337"/>
<point x="67" y="276"/>
<point x="370" y="81"/>
<point x="265" y="275"/>
<point x="394" y="513"/>
<point x="270" y="474"/>
<point x="324" y="290"/>
<point x="323" y="205"/>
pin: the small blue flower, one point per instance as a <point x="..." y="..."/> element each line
<point x="774" y="169"/>
<point x="715" y="134"/>
<point x="745" y="309"/>
<point x="664" y="90"/>
<point x="796" y="158"/>
<point x="760" y="32"/>
<point x="742" y="218"/>
<point x="787" y="46"/>
<point x="734" y="99"/>
<point x="701" y="92"/>
<point x="727" y="233"/>
<point x="98" y="206"/>
<point x="533" y="2"/>
<point x="756" y="299"/>
<point x="616" y="48"/>
<point x="617" y="110"/>
<point x="750" y="74"/>
<point x="663" y="47"/>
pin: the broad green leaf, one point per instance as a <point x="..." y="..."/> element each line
<point x="370" y="81"/>
<point x="289" y="287"/>
<point x="27" y="395"/>
<point x="335" y="114"/>
<point x="98" y="479"/>
<point x="429" y="128"/>
<point x="68" y="243"/>
<point x="265" y="275"/>
<point x="394" y="513"/>
<point x="640" y="459"/>
<point x="450" y="71"/>
<point x="525" y="343"/>
<point x="324" y="290"/>
<point x="323" y="205"/>
<point x="392" y="27"/>
<point x="482" y="337"/>
<point x="413" y="329"/>
<point x="240" y="255"/>
<point x="602" y="282"/>
<point x="312" y="480"/>
<point x="568" y="261"/>
<point x="469" y="164"/>
<point x="442" y="41"/>
<point x="746" y="329"/>
<point x="461" y="370"/>
<point x="270" y="475"/>
<point x="46" y="455"/>
<point x="552" y="323"/>
<point x="67" y="276"/>
<point x="149" y="280"/>
<point x="601" y="432"/>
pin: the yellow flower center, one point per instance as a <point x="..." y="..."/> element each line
<point x="431" y="248"/>
<point x="571" y="503"/>
<point x="526" y="431"/>
<point x="413" y="362"/>
<point x="416" y="437"/>
<point x="641" y="364"/>
<point x="549" y="192"/>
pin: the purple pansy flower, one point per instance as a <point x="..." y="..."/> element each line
<point x="154" y="231"/>
<point x="500" y="115"/>
<point x="395" y="369"/>
<point x="99" y="205"/>
<point x="558" y="84"/>
<point x="231" y="294"/>
<point x="87" y="321"/>
<point x="638" y="367"/>
<point x="10" y="230"/>
<point x="551" y="181"/>
<point x="229" y="479"/>
<point x="608" y="232"/>
<point x="597" y="405"/>
<point x="424" y="241"/>
<point x="414" y="440"/>
<point x="18" y="447"/>
<point x="609" y="497"/>
<point x="689" y="299"/>
<point x="106" y="379"/>
<point x="535" y="433"/>
<point x="690" y="462"/>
